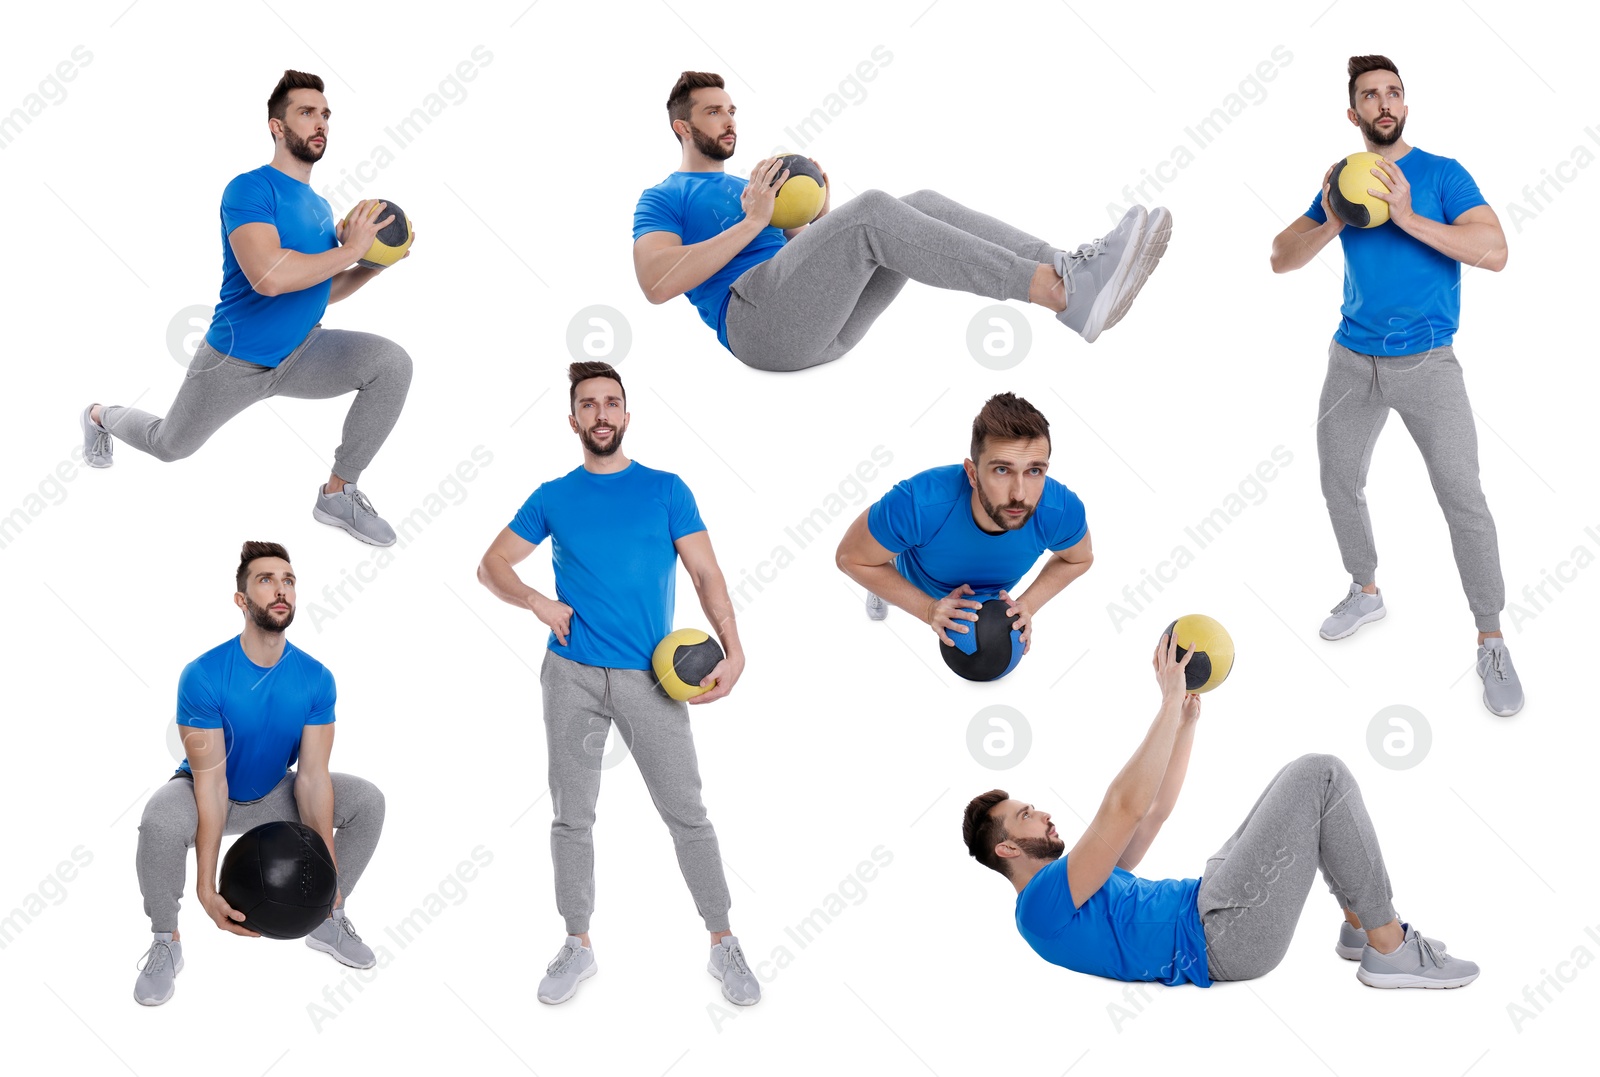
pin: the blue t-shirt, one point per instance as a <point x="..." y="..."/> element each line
<point x="261" y="710"/>
<point x="616" y="566"/>
<point x="264" y="329"/>
<point x="1130" y="929"/>
<point x="1400" y="295"/>
<point x="926" y="521"/>
<point x="695" y="206"/>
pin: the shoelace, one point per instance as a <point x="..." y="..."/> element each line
<point x="563" y="959"/>
<point x="347" y="927"/>
<point x="158" y="954"/>
<point x="1089" y="250"/>
<point x="1426" y="954"/>
<point x="102" y="442"/>
<point x="1346" y="602"/>
<point x="1497" y="664"/>
<point x="362" y="503"/>
<point x="735" y="958"/>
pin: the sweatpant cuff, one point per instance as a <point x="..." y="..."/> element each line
<point x="1487" y="622"/>
<point x="578" y="927"/>
<point x="1375" y="915"/>
<point x="347" y="472"/>
<point x="718" y="923"/>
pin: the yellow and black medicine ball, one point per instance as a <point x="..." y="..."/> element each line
<point x="800" y="198"/>
<point x="1212" y="647"/>
<point x="392" y="240"/>
<point x="1347" y="191"/>
<point x="683" y="660"/>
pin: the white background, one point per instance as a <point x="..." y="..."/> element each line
<point x="843" y="736"/>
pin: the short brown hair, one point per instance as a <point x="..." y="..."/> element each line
<point x="1360" y="65"/>
<point x="252" y="551"/>
<point x="583" y="372"/>
<point x="278" y="103"/>
<point x="982" y="830"/>
<point x="678" y="103"/>
<point x="1007" y="415"/>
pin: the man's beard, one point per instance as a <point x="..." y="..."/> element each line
<point x="1042" y="848"/>
<point x="1378" y="137"/>
<point x="995" y="510"/>
<point x="264" y="619"/>
<point x="587" y="436"/>
<point x="302" y="149"/>
<point x="711" y="146"/>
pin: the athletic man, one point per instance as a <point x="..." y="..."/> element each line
<point x="1402" y="302"/>
<point x="284" y="259"/>
<point x="1086" y="911"/>
<point x="247" y="709"/>
<point x="973" y="529"/>
<point x="789" y="299"/>
<point x="617" y="531"/>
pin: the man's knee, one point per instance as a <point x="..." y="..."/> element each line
<point x="397" y="363"/>
<point x="1318" y="763"/>
<point x="923" y="199"/>
<point x="870" y="203"/>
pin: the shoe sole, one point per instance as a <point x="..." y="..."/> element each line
<point x="1157" y="233"/>
<point x="877" y="611"/>
<point x="1501" y="714"/>
<point x="582" y="976"/>
<point x="1406" y="979"/>
<point x="1106" y="304"/>
<point x="1376" y="615"/>
<point x="158" y="1001"/>
<point x="1349" y="953"/>
<point x="334" y="521"/>
<point x="333" y="951"/>
<point x="717" y="976"/>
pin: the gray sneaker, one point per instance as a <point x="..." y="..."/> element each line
<point x="350" y="509"/>
<point x="1157" y="231"/>
<point x="96" y="441"/>
<point x="1354" y="610"/>
<point x="337" y="936"/>
<point x="1353" y="940"/>
<point x="158" y="970"/>
<point x="877" y="608"/>
<point x="1416" y="964"/>
<point x="739" y="984"/>
<point x="1502" y="688"/>
<point x="573" y="964"/>
<point x="1100" y="276"/>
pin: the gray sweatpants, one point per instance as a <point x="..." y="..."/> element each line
<point x="1311" y="816"/>
<point x="817" y="297"/>
<point x="1428" y="391"/>
<point x="328" y="363"/>
<point x="580" y="704"/>
<point x="167" y="833"/>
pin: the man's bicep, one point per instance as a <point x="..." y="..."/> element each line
<point x="859" y="546"/>
<point x="510" y="547"/>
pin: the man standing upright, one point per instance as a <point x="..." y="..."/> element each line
<point x="617" y="531"/>
<point x="1392" y="350"/>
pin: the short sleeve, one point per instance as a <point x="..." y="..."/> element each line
<point x="323" y="695"/>
<point x="1458" y="192"/>
<point x="249" y="199"/>
<point x="1315" y="212"/>
<point x="1070" y="525"/>
<point x="683" y="515"/>
<point x="529" y="522"/>
<point x="198" y="703"/>
<point x="655" y="213"/>
<point x="892" y="519"/>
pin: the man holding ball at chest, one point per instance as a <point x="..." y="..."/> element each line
<point x="1392" y="350"/>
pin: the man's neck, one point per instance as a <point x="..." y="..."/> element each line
<point x="291" y="166"/>
<point x="1022" y="873"/>
<point x="262" y="648"/>
<point x="1392" y="152"/>
<point x="695" y="161"/>
<point x="609" y="464"/>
